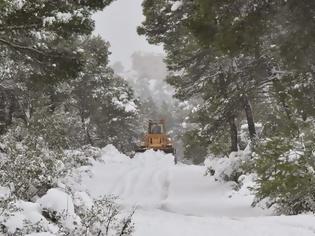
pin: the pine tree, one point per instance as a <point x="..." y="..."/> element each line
<point x="226" y="80"/>
<point x="40" y="34"/>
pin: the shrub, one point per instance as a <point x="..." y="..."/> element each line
<point x="285" y="174"/>
<point x="29" y="167"/>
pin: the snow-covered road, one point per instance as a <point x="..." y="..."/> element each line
<point x="180" y="200"/>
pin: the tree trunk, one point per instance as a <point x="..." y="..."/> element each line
<point x="286" y="108"/>
<point x="6" y="110"/>
<point x="88" y="138"/>
<point x="233" y="133"/>
<point x="250" y="118"/>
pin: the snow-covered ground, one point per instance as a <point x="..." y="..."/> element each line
<point x="181" y="200"/>
<point x="175" y="200"/>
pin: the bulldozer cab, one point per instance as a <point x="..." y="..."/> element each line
<point x="156" y="128"/>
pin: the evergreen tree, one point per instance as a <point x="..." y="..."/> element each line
<point x="40" y="34"/>
<point x="105" y="103"/>
<point x="226" y="81"/>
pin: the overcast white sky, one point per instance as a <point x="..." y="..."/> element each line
<point x="118" y="24"/>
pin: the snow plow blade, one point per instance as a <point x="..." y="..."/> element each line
<point x="169" y="150"/>
<point x="140" y="149"/>
<point x="165" y="150"/>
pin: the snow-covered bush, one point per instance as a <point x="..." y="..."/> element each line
<point x="81" y="156"/>
<point x="285" y="174"/>
<point x="104" y="218"/>
<point x="81" y="215"/>
<point x="29" y="167"/>
<point x="62" y="213"/>
<point x="34" y="156"/>
<point x="20" y="218"/>
<point x="228" y="168"/>
<point x="57" y="206"/>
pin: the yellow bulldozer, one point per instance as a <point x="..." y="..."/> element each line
<point x="156" y="139"/>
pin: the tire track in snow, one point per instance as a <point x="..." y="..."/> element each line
<point x="119" y="186"/>
<point x="166" y="187"/>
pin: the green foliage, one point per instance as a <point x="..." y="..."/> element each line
<point x="210" y="58"/>
<point x="95" y="108"/>
<point x="195" y="147"/>
<point x="285" y="170"/>
<point x="41" y="34"/>
<point x="29" y="168"/>
<point x="220" y="145"/>
<point x="230" y="26"/>
<point x="59" y="129"/>
<point x="105" y="103"/>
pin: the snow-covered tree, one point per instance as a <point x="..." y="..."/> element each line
<point x="40" y="33"/>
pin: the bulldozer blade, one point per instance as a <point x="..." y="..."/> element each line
<point x="140" y="149"/>
<point x="169" y="150"/>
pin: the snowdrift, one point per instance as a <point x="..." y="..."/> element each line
<point x="141" y="181"/>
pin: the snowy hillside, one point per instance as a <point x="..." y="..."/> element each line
<point x="181" y="200"/>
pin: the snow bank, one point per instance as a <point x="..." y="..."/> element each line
<point x="57" y="200"/>
<point x="61" y="203"/>
<point x="110" y="154"/>
<point x="25" y="213"/>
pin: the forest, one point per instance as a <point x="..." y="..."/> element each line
<point x="249" y="67"/>
<point x="236" y="87"/>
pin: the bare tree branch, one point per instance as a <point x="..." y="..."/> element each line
<point x="21" y="47"/>
<point x="19" y="27"/>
